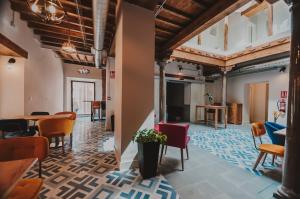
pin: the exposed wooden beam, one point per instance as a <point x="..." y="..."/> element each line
<point x="185" y="53"/>
<point x="9" y="48"/>
<point x="176" y="12"/>
<point x="57" y="47"/>
<point x="214" y="14"/>
<point x="62" y="35"/>
<point x="66" y="27"/>
<point x="201" y="4"/>
<point x="61" y="41"/>
<point x="275" y="47"/>
<point x="256" y="8"/>
<point x="270" y="20"/>
<point x="58" y="44"/>
<point x="168" y="22"/>
<point x="226" y="33"/>
<point x="164" y="30"/>
<point x="78" y="63"/>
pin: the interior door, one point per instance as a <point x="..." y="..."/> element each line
<point x="82" y="95"/>
<point x="258" y="102"/>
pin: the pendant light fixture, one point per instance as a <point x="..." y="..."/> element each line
<point x="50" y="11"/>
<point x="68" y="47"/>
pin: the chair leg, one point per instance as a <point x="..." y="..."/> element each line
<point x="99" y="114"/>
<point x="260" y="156"/>
<point x="182" y="164"/>
<point x="187" y="151"/>
<point x="40" y="169"/>
<point x="273" y="159"/>
<point x="166" y="150"/>
<point x="264" y="159"/>
<point x="63" y="144"/>
<point x="161" y="153"/>
<point x="71" y="140"/>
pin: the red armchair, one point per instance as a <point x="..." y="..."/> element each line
<point x="177" y="137"/>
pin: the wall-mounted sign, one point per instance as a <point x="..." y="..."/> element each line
<point x="112" y="74"/>
<point x="283" y="94"/>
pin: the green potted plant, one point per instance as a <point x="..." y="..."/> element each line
<point x="148" y="141"/>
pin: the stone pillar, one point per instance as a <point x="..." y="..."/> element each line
<point x="290" y="187"/>
<point x="134" y="72"/>
<point x="162" y="91"/>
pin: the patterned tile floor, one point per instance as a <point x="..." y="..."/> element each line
<point x="89" y="170"/>
<point x="233" y="144"/>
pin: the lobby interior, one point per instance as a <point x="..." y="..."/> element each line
<point x="219" y="78"/>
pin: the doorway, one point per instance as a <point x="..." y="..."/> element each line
<point x="82" y="93"/>
<point x="178" y="101"/>
<point x="258" y="101"/>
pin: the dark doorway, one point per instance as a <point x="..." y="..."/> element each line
<point x="177" y="109"/>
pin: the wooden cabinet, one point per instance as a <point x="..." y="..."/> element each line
<point x="235" y="113"/>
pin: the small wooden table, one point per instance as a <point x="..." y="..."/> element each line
<point x="281" y="132"/>
<point x="11" y="172"/>
<point x="216" y="108"/>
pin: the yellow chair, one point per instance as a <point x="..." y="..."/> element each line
<point x="258" y="130"/>
<point x="24" y="147"/>
<point x="56" y="128"/>
<point x="72" y="117"/>
<point x="26" y="188"/>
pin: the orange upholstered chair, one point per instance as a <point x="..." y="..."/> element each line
<point x="72" y="117"/>
<point x="258" y="130"/>
<point x="24" y="147"/>
<point x="26" y="188"/>
<point x="56" y="128"/>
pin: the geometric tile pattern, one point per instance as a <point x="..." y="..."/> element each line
<point x="90" y="170"/>
<point x="233" y="144"/>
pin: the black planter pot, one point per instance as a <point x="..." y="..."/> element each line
<point x="148" y="159"/>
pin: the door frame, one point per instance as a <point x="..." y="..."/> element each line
<point x="88" y="82"/>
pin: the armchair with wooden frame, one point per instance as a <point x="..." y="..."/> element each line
<point x="72" y="117"/>
<point x="258" y="130"/>
<point x="24" y="147"/>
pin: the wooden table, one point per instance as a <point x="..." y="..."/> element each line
<point x="281" y="132"/>
<point x="41" y="117"/>
<point x="214" y="107"/>
<point x="11" y="172"/>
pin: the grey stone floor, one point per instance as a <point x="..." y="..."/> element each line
<point x="209" y="177"/>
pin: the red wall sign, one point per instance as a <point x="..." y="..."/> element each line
<point x="283" y="94"/>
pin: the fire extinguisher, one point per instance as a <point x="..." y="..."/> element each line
<point x="281" y="104"/>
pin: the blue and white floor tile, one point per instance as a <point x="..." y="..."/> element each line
<point x="90" y="170"/>
<point x="233" y="144"/>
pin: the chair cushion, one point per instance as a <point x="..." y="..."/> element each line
<point x="26" y="188"/>
<point x="272" y="148"/>
<point x="54" y="134"/>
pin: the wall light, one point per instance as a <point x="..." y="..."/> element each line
<point x="11" y="62"/>
<point x="282" y="69"/>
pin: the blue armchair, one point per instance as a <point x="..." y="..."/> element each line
<point x="275" y="138"/>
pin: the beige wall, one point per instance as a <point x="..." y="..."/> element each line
<point x="134" y="75"/>
<point x="43" y="73"/>
<point x="258" y="97"/>
<point x="11" y="88"/>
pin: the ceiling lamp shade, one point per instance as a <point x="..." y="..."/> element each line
<point x="48" y="10"/>
<point x="68" y="47"/>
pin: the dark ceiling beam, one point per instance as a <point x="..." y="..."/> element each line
<point x="214" y="14"/>
<point x="55" y="46"/>
<point x="168" y="22"/>
<point x="201" y="4"/>
<point x="68" y="20"/>
<point x="78" y="63"/>
<point x="164" y="30"/>
<point x="59" y="44"/>
<point x="176" y="12"/>
<point x="62" y="35"/>
<point x="54" y="28"/>
<point x="73" y="4"/>
<point x="148" y="4"/>
<point x="63" y="26"/>
<point x="60" y="40"/>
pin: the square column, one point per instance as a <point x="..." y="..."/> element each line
<point x="134" y="83"/>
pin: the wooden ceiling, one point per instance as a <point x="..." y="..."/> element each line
<point x="176" y="22"/>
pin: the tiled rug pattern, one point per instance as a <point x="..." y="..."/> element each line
<point x="233" y="144"/>
<point x="89" y="170"/>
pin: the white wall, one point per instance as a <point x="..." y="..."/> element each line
<point x="238" y="90"/>
<point x="43" y="73"/>
<point x="110" y="92"/>
<point x="197" y="98"/>
<point x="11" y="88"/>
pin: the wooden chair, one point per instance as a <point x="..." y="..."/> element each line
<point x="72" y="117"/>
<point x="96" y="105"/>
<point x="258" y="130"/>
<point x="24" y="147"/>
<point x="26" y="188"/>
<point x="176" y="137"/>
<point x="56" y="128"/>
